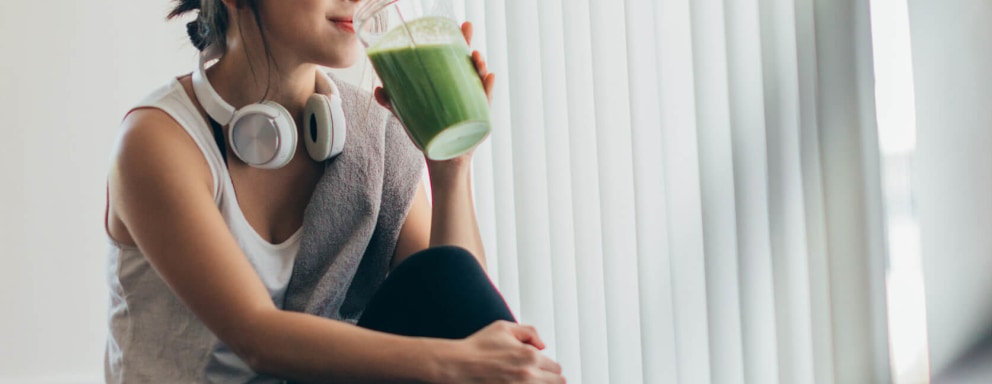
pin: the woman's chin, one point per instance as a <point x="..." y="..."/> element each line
<point x="342" y="59"/>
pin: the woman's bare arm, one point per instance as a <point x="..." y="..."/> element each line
<point x="415" y="234"/>
<point x="161" y="189"/>
<point x="451" y="220"/>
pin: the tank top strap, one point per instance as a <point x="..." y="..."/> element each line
<point x="173" y="100"/>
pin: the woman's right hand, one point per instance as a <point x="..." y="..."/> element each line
<point x="504" y="352"/>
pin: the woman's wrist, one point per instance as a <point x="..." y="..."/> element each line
<point x="456" y="170"/>
<point x="442" y="357"/>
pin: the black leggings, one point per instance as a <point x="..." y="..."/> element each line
<point x="439" y="292"/>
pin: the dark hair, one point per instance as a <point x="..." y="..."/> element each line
<point x="210" y="26"/>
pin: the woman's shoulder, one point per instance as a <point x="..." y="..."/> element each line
<point x="156" y="122"/>
<point x="152" y="139"/>
<point x="152" y="154"/>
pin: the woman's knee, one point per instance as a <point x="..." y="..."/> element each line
<point x="440" y="258"/>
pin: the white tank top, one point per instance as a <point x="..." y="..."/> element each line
<point x="154" y="337"/>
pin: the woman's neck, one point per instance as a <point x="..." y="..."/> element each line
<point x="241" y="79"/>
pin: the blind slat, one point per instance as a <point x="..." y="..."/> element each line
<point x="560" y="203"/>
<point x="816" y="236"/>
<point x="530" y="172"/>
<point x="482" y="159"/>
<point x="716" y="170"/>
<point x="657" y="313"/>
<point x="851" y="191"/>
<point x="616" y="187"/>
<point x="675" y="83"/>
<point x="758" y="322"/>
<point x="586" y="196"/>
<point x="503" y="151"/>
<point x="791" y="276"/>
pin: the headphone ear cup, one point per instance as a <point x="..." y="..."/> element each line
<point x="324" y="126"/>
<point x="263" y="135"/>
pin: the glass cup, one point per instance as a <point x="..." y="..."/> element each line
<point x="420" y="54"/>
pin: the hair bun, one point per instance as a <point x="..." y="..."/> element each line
<point x="197" y="34"/>
<point x="196" y="29"/>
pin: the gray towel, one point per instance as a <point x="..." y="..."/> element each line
<point x="353" y="220"/>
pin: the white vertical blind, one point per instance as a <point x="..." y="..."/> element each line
<point x="716" y="168"/>
<point x="673" y="41"/>
<point x="813" y="191"/>
<point x="746" y="84"/>
<point x="657" y="316"/>
<point x="848" y="139"/>
<point x="655" y="194"/>
<point x="482" y="177"/>
<point x="502" y="153"/>
<point x="559" y="179"/>
<point x="785" y="186"/>
<point x="595" y="366"/>
<point x="611" y="95"/>
<point x="530" y="170"/>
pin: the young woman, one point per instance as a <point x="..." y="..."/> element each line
<point x="204" y="239"/>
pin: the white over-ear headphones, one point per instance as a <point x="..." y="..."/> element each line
<point x="264" y="135"/>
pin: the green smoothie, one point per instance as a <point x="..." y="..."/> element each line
<point x="434" y="87"/>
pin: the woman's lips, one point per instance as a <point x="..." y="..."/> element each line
<point x="345" y="24"/>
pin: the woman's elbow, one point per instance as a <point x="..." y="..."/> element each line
<point x="249" y="343"/>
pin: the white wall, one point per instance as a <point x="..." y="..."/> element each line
<point x="953" y="68"/>
<point x="69" y="70"/>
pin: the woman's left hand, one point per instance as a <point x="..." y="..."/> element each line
<point x="488" y="79"/>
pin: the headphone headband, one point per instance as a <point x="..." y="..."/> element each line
<point x="216" y="107"/>
<point x="264" y="135"/>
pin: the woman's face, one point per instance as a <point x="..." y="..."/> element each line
<point x="317" y="31"/>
